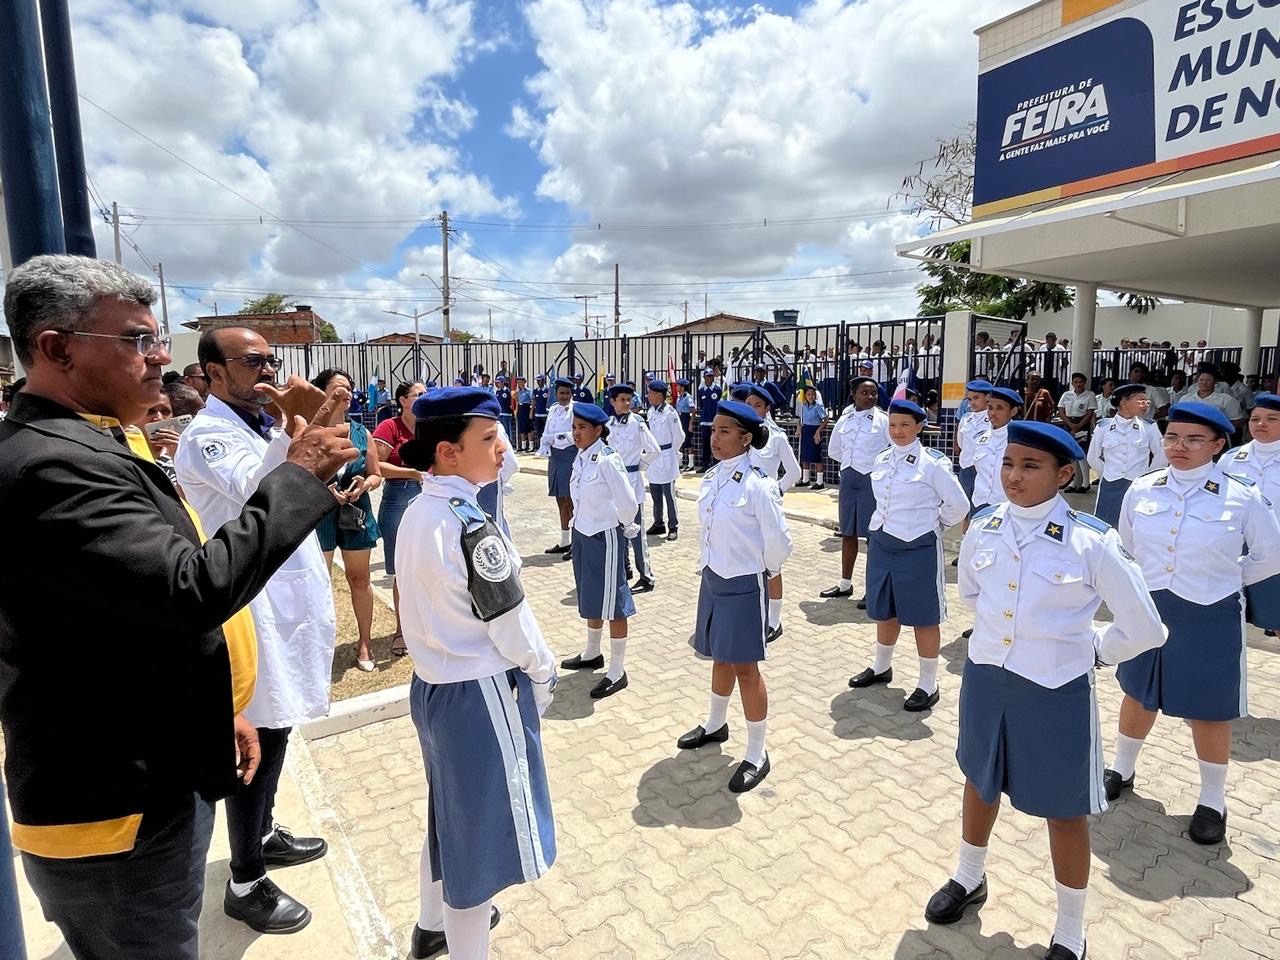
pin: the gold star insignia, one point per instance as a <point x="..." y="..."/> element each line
<point x="1054" y="530"/>
<point x="994" y="523"/>
<point x="1211" y="486"/>
<point x="737" y="476"/>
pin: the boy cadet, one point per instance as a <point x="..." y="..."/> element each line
<point x="667" y="429"/>
<point x="557" y="444"/>
<point x="1034" y="572"/>
<point x="684" y="407"/>
<point x="709" y="396"/>
<point x="541" y="400"/>
<point x="630" y="437"/>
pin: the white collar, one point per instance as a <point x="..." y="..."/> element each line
<point x="450" y="486"/>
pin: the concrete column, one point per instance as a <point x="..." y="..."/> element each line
<point x="1082" y="328"/>
<point x="957" y="344"/>
<point x="1251" y="345"/>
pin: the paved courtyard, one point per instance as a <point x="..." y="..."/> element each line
<point x="836" y="854"/>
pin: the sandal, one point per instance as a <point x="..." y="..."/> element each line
<point x="401" y="649"/>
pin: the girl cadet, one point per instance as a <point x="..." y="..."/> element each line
<point x="813" y="420"/>
<point x="483" y="676"/>
<point x="857" y="438"/>
<point x="988" y="447"/>
<point x="744" y="540"/>
<point x="1259" y="460"/>
<point x="633" y="442"/>
<point x="776" y="455"/>
<point x="668" y="431"/>
<point x="917" y="497"/>
<point x="1123" y="448"/>
<point x="1189" y="524"/>
<point x="977" y="392"/>
<point x="557" y="443"/>
<point x="1034" y="572"/>
<point x="604" y="512"/>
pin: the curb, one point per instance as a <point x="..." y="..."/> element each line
<point x="358" y="712"/>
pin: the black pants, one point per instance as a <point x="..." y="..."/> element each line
<point x="144" y="904"/>
<point x="250" y="808"/>
<point x="704" y="455"/>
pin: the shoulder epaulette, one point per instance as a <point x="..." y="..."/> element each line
<point x="1247" y="481"/>
<point x="936" y="454"/>
<point x="985" y="511"/>
<point x="606" y="449"/>
<point x="1089" y="520"/>
<point x="758" y="472"/>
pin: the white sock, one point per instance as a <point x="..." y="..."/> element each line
<point x="269" y="834"/>
<point x="1126" y="760"/>
<point x="928" y="673"/>
<point x="804" y="475"/>
<point x="468" y="931"/>
<point x="1213" y="785"/>
<point x="775" y="612"/>
<point x="241" y="889"/>
<point x="617" y="657"/>
<point x="430" y="894"/>
<point x="718" y="714"/>
<point x="566" y="538"/>
<point x="593" y="643"/>
<point x="972" y="866"/>
<point x="755" y="741"/>
<point x="1069" y="930"/>
<point x="884" y="658"/>
<point x="846" y="584"/>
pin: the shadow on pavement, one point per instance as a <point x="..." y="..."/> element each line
<point x="222" y="938"/>
<point x="543" y="560"/>
<point x="962" y="941"/>
<point x="573" y="695"/>
<point x="1254" y="739"/>
<point x="955" y="653"/>
<point x="855" y="719"/>
<point x="689" y="789"/>
<point x="834" y="611"/>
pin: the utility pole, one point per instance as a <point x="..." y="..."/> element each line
<point x="705" y="309"/>
<point x="586" y="321"/>
<point x="617" y="313"/>
<point x="491" y="323"/>
<point x="599" y="319"/>
<point x="417" y="336"/>
<point x="686" y="311"/>
<point x="164" y="300"/>
<point x="444" y="289"/>
<point x="115" y="227"/>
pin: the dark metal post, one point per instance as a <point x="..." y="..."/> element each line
<point x="64" y="105"/>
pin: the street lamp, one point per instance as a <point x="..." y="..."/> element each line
<point x="417" y="337"/>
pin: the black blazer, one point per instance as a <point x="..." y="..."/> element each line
<point x="115" y="686"/>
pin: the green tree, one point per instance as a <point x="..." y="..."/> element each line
<point x="461" y="336"/>
<point x="328" y="332"/>
<point x="267" y="303"/>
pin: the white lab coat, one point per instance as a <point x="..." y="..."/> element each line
<point x="220" y="462"/>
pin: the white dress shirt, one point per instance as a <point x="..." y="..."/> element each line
<point x="446" y="640"/>
<point x="744" y="531"/>
<point x="1158" y="397"/>
<point x="971" y="424"/>
<point x="1076" y="405"/>
<point x="1123" y="449"/>
<point x="1260" y="462"/>
<point x="664" y="425"/>
<point x="777" y="455"/>
<point x="988" y="457"/>
<point x="632" y="441"/>
<point x="1221" y="399"/>
<point x="1034" y="596"/>
<point x="558" y="431"/>
<point x="603" y="495"/>
<point x="916" y="491"/>
<point x="858" y="437"/>
<point x="1189" y="536"/>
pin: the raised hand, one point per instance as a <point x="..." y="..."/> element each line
<point x="298" y="398"/>
<point x="320" y="447"/>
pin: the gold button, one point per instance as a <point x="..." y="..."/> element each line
<point x="1008" y="641"/>
<point x="1057" y="576"/>
<point x="1013" y="586"/>
<point x="1008" y="614"/>
<point x="1016" y="558"/>
<point x="1171" y="549"/>
<point x="1180" y="496"/>
<point x="1177" y="513"/>
<point x="1168" y="569"/>
<point x="1173" y="530"/>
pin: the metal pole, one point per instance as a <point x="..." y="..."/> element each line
<point x="617" y="312"/>
<point x="28" y="166"/>
<point x="115" y="229"/>
<point x="417" y="347"/>
<point x="444" y="248"/>
<point x="164" y="299"/>
<point x="60" y="68"/>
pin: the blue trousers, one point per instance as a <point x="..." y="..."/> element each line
<point x="641" y="547"/>
<point x="11" y="942"/>
<point x="664" y="493"/>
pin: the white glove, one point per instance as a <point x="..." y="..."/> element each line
<point x="543" y="694"/>
<point x="508" y="489"/>
<point x="631" y="531"/>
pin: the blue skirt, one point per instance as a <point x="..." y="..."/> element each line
<point x="560" y="470"/>
<point x="733" y="615"/>
<point x="1200" y="672"/>
<point x="810" y="449"/>
<point x="396" y="497"/>
<point x="1040" y="747"/>
<point x="904" y="579"/>
<point x="1110" y="497"/>
<point x="524" y="418"/>
<point x="685" y="420"/>
<point x="857" y="503"/>
<point x="490" y="500"/>
<point x="489" y="822"/>
<point x="968" y="476"/>
<point x="1262" y="603"/>
<point x="600" y="571"/>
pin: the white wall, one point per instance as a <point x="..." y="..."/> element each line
<point x="1175" y="322"/>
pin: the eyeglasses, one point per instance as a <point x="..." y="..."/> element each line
<point x="1191" y="443"/>
<point x="256" y="361"/>
<point x="147" y="344"/>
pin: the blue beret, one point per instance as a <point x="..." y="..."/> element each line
<point x="779" y="398"/>
<point x="741" y="391"/>
<point x="1007" y="395"/>
<point x="708" y="372"/>
<point x="457" y="382"/>
<point x="759" y="366"/>
<point x="1045" y="436"/>
<point x="520" y="377"/>
<point x="740" y="412"/>
<point x="542" y="376"/>
<point x="564" y="382"/>
<point x="980" y="386"/>
<point x="502" y="378"/>
<point x="1205" y="414"/>
<point x="866" y="362"/>
<point x="456" y="402"/>
<point x="1125" y="389"/>
<point x="577" y="376"/>
<point x="907" y="407"/>
<point x="620" y="389"/>
<point x="430" y="385"/>
<point x="1268" y="400"/>
<point x="610" y="376"/>
<point x="659" y="385"/>
<point x="591" y="413"/>
<point x="682" y="382"/>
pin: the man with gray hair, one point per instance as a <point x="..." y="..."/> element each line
<point x="118" y="689"/>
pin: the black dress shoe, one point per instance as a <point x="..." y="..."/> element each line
<point x="919" y="701"/>
<point x="818" y="486"/>
<point x="607" y="687"/>
<point x="674" y="534"/>
<point x="862" y="604"/>
<point x="283" y="849"/>
<point x="949" y="903"/>
<point x="1114" y="784"/>
<point x="266" y="908"/>
<point x="800" y="486"/>
<point x="869" y="677"/>
<point x="576" y="662"/>
<point x="643" y="585"/>
<point x="567" y="555"/>
<point x="657" y="530"/>
<point x="698" y="737"/>
<point x="955" y="562"/>
<point x="773" y="634"/>
<point x="1058" y="952"/>
<point x="1208" y="826"/>
<point x="748" y="776"/>
<point x="428" y="943"/>
<point x="968" y="633"/>
<point x="556" y="549"/>
<point x="830" y="592"/>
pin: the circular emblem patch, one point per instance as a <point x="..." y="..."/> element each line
<point x="490" y="560"/>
